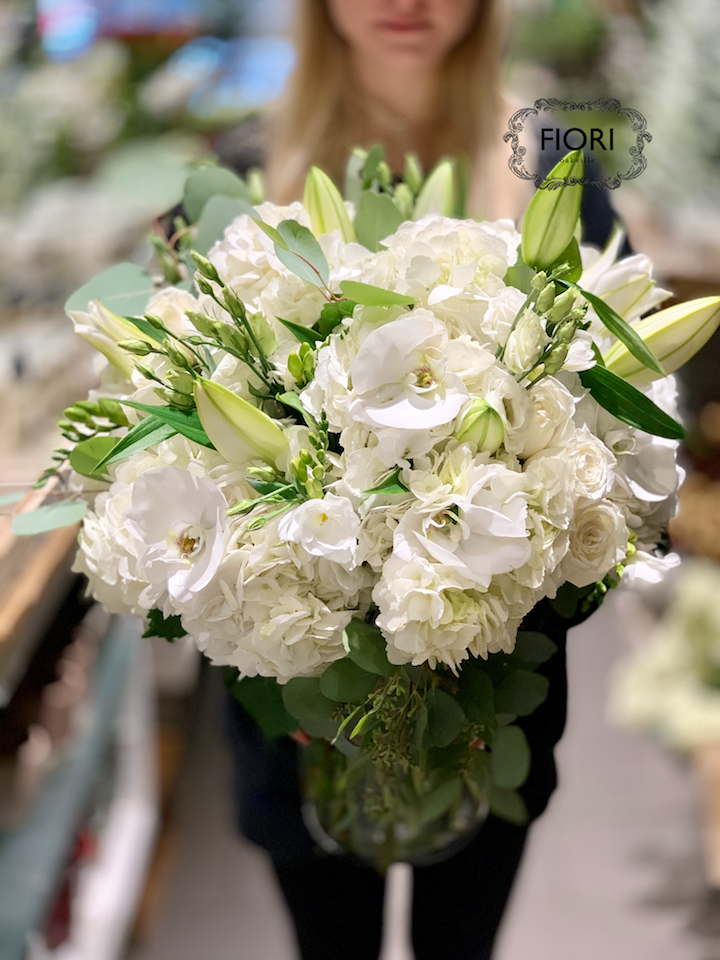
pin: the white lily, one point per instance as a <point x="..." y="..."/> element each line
<point x="674" y="335"/>
<point x="236" y="428"/>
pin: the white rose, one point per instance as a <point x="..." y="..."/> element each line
<point x="598" y="539"/>
<point x="592" y="465"/>
<point x="550" y="420"/>
<point x="326" y="528"/>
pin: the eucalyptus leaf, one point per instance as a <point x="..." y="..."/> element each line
<point x="208" y="182"/>
<point x="366" y="647"/>
<point x="533" y="647"/>
<point x="508" y="805"/>
<point x="271" y="232"/>
<point x="621" y="329"/>
<point x="510" y="757"/>
<point x="147" y="433"/>
<point x="262" y="697"/>
<point x="184" y="422"/>
<point x="123" y="289"/>
<point x="476" y="696"/>
<point x="445" y="718"/>
<point x="7" y="499"/>
<point x="302" y="334"/>
<point x="304" y="700"/>
<point x="88" y="454"/>
<point x="218" y="213"/>
<point x="435" y="803"/>
<point x="303" y="256"/>
<point x="346" y="682"/>
<point x="49" y="517"/>
<point x="375" y="157"/>
<point x="376" y="218"/>
<point x="626" y="403"/>
<point x="167" y="628"/>
<point x="371" y="296"/>
<point x="521" y="693"/>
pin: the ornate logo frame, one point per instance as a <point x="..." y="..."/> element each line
<point x="519" y="118"/>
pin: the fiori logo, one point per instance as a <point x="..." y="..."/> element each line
<point x="611" y="136"/>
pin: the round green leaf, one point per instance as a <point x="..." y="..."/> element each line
<point x="218" y="213"/>
<point x="445" y="718"/>
<point x="304" y="701"/>
<point x="366" y="647"/>
<point x="262" y="697"/>
<point x="9" y="498"/>
<point x="86" y="456"/>
<point x="510" y="757"/>
<point x="508" y="805"/>
<point x="345" y="682"/>
<point x="371" y="296"/>
<point x="208" y="182"/>
<point x="49" y="517"/>
<point x="123" y="289"/>
<point x="476" y="695"/>
<point x="522" y="692"/>
<point x="533" y="647"/>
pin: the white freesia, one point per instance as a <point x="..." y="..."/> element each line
<point x="326" y="528"/>
<point x="178" y="521"/>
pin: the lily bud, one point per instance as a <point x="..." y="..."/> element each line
<point x="549" y="223"/>
<point x="404" y="200"/>
<point x="438" y="192"/>
<point x="481" y="426"/>
<point x="413" y="173"/>
<point x="674" y="335"/>
<point x="236" y="428"/>
<point x="325" y="206"/>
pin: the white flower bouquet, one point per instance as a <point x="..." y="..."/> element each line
<point x="353" y="453"/>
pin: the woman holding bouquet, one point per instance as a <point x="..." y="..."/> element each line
<point x="419" y="76"/>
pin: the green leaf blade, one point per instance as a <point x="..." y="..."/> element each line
<point x="510" y="758"/>
<point x="302" y="334"/>
<point x="50" y="516"/>
<point x="346" y="682"/>
<point x="304" y="254"/>
<point x="185" y="422"/>
<point x="167" y="628"/>
<point x="445" y="718"/>
<point x="366" y="647"/>
<point x="628" y="404"/>
<point x="371" y="296"/>
<point x="376" y="218"/>
<point x="147" y="433"/>
<point x="87" y="456"/>
<point x="262" y="697"/>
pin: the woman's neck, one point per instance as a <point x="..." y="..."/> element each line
<point x="401" y="109"/>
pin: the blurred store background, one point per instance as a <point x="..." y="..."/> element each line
<point x="116" y="833"/>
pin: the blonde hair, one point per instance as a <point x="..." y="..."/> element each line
<point x="317" y="119"/>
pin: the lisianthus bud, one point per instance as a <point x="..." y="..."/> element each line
<point x="204" y="324"/>
<point x="546" y="298"/>
<point x="549" y="223"/>
<point x="562" y="306"/>
<point x="556" y="358"/>
<point x="174" y="398"/>
<point x="154" y="321"/>
<point x="325" y="206"/>
<point x="539" y="281"/>
<point x="233" y="303"/>
<point x="78" y="415"/>
<point x="566" y="332"/>
<point x="236" y="428"/>
<point x="437" y="194"/>
<point x="174" y="354"/>
<point x="404" y="200"/>
<point x="206" y="268"/>
<point x="481" y="426"/>
<point x="674" y="335"/>
<point x="138" y="348"/>
<point x="203" y="285"/>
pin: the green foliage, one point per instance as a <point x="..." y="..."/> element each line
<point x="508" y="805"/>
<point x="476" y="695"/>
<point x="332" y="315"/>
<point x="88" y="454"/>
<point x="168" y="628"/>
<point x="218" y="213"/>
<point x="262" y="697"/>
<point x="371" y="296"/>
<point x="185" y="422"/>
<point x="123" y="289"/>
<point x="147" y="433"/>
<point x="390" y="485"/>
<point x="49" y="517"/>
<point x="302" y="334"/>
<point x="366" y="647"/>
<point x="433" y="805"/>
<point x="510" y="757"/>
<point x="620" y="329"/>
<point x="626" y="403"/>
<point x="345" y="681"/>
<point x="533" y="647"/>
<point x="304" y="700"/>
<point x="445" y="718"/>
<point x="570" y="256"/>
<point x="209" y="182"/>
<point x="376" y="218"/>
<point x="299" y="251"/>
<point x="521" y="693"/>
